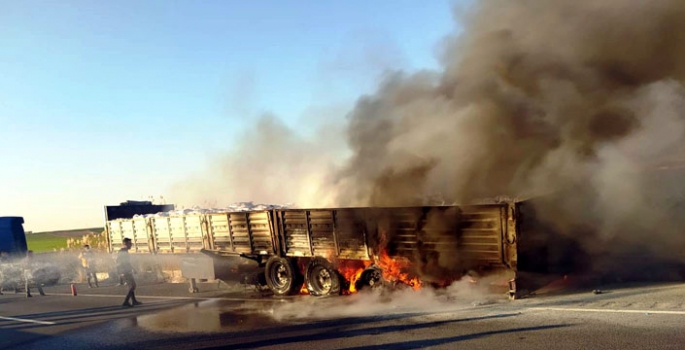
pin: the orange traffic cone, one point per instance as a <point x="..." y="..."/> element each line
<point x="73" y="290"/>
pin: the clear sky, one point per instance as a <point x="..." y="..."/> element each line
<point x="104" y="101"/>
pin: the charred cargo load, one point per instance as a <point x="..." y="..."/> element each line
<point x="332" y="251"/>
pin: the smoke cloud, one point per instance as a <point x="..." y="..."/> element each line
<point x="270" y="163"/>
<point x="534" y="94"/>
<point x="459" y="296"/>
<point x="581" y="99"/>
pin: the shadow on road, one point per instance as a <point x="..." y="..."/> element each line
<point x="417" y="344"/>
<point x="340" y="329"/>
<point x="105" y="313"/>
<point x="606" y="295"/>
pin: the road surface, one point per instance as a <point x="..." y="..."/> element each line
<point x="639" y="317"/>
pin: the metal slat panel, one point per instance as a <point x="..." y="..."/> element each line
<point x="162" y="234"/>
<point x="296" y="233"/>
<point x="221" y="234"/>
<point x="115" y="233"/>
<point x="192" y="229"/>
<point x="260" y="229"/>
<point x="472" y="233"/>
<point x="481" y="234"/>
<point x="177" y="231"/>
<point x="140" y="235"/>
<point x="239" y="233"/>
<point x="322" y="235"/>
<point x="350" y="233"/>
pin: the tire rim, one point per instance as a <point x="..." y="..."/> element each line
<point x="373" y="278"/>
<point x="323" y="280"/>
<point x="280" y="277"/>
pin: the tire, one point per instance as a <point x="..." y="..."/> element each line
<point x="282" y="276"/>
<point x="322" y="279"/>
<point x="371" y="278"/>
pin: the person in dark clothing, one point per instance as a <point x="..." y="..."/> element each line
<point x="28" y="275"/>
<point x="125" y="270"/>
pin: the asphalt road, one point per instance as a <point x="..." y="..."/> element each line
<point x="639" y="317"/>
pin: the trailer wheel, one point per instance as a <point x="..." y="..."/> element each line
<point x="321" y="278"/>
<point x="282" y="276"/>
<point x="371" y="278"/>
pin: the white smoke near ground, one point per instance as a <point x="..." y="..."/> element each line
<point x="460" y="295"/>
<point x="66" y="267"/>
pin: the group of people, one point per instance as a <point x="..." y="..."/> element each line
<point x="11" y="275"/>
<point x="124" y="270"/>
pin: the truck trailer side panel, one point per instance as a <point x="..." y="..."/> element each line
<point x="441" y="243"/>
<point x="136" y="229"/>
<point x="330" y="233"/>
<point x="247" y="233"/>
<point x="481" y="235"/>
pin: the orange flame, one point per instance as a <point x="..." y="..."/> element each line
<point x="302" y="266"/>
<point x="304" y="290"/>
<point x="394" y="270"/>
<point x="351" y="271"/>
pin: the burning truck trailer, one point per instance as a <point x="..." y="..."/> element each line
<point x="328" y="251"/>
<point x="343" y="250"/>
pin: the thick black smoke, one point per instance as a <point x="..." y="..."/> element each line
<point x="532" y="94"/>
<point x="581" y="99"/>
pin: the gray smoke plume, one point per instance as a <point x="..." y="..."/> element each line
<point x="582" y="99"/>
<point x="534" y="93"/>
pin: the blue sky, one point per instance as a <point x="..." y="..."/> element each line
<point x="103" y="101"/>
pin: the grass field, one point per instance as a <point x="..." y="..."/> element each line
<point x="45" y="242"/>
<point x="55" y="240"/>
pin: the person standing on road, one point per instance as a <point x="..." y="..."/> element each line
<point x="125" y="270"/>
<point x="86" y="258"/>
<point x="28" y="275"/>
<point x="3" y="262"/>
<point x="8" y="273"/>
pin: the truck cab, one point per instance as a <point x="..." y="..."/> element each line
<point x="12" y="236"/>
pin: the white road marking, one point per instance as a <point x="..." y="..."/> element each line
<point x="139" y="297"/>
<point x="26" y="320"/>
<point x="169" y="298"/>
<point x="625" y="311"/>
